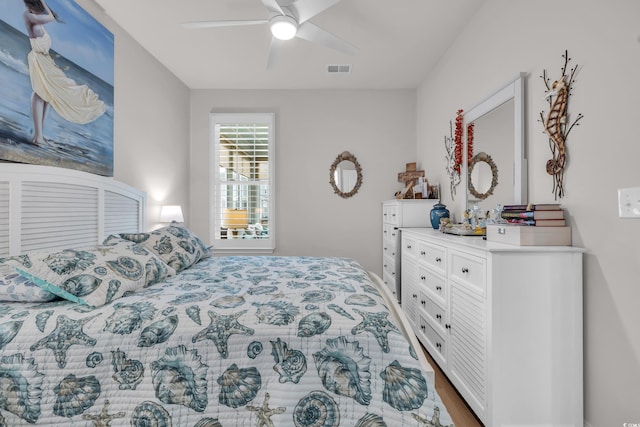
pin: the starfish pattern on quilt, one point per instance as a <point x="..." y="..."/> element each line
<point x="264" y="413"/>
<point x="376" y="324"/>
<point x="103" y="419"/>
<point x="435" y="419"/>
<point x="256" y="280"/>
<point x="68" y="332"/>
<point x="220" y="329"/>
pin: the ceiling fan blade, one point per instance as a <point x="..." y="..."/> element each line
<point x="213" y="24"/>
<point x="315" y="34"/>
<point x="275" y="51"/>
<point x="307" y="9"/>
<point x="273" y="6"/>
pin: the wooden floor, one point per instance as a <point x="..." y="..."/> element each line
<point x="461" y="414"/>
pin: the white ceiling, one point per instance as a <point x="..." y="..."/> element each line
<point x="399" y="41"/>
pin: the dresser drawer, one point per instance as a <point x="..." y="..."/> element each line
<point x="434" y="339"/>
<point x="408" y="246"/>
<point x="434" y="282"/>
<point x="432" y="255"/>
<point x="390" y="232"/>
<point x="389" y="249"/>
<point x="469" y="269"/>
<point x="435" y="311"/>
<point x="388" y="262"/>
<point x="389" y="265"/>
<point x="390" y="281"/>
<point x="390" y="215"/>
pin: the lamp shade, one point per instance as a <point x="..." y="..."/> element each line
<point x="170" y="213"/>
<point x="235" y="218"/>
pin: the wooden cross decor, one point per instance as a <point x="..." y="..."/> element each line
<point x="409" y="177"/>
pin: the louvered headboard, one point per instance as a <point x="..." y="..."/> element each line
<point x="45" y="208"/>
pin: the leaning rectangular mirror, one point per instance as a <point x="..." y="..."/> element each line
<point x="497" y="172"/>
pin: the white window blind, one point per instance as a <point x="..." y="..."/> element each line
<point x="243" y="215"/>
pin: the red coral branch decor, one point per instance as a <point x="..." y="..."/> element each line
<point x="458" y="139"/>
<point x="470" y="128"/>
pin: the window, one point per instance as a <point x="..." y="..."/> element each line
<point x="243" y="151"/>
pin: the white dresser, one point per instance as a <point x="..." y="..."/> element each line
<point x="503" y="322"/>
<point x="395" y="214"/>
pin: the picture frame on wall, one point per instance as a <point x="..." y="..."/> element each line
<point x="57" y="91"/>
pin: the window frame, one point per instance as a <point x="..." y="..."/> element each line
<point x="244" y="246"/>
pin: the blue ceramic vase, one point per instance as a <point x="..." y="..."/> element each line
<point x="439" y="211"/>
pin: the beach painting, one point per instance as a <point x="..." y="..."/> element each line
<point x="56" y="86"/>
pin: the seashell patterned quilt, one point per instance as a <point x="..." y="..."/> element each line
<point x="231" y="341"/>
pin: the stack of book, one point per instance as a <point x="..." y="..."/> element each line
<point x="541" y="215"/>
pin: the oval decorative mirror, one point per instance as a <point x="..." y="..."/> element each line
<point x="345" y="175"/>
<point x="483" y="176"/>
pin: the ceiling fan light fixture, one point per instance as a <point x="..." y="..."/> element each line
<point x="283" y="27"/>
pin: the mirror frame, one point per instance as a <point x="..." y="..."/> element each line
<point x="483" y="157"/>
<point x="514" y="90"/>
<point x="345" y="155"/>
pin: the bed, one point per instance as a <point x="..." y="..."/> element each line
<point x="150" y="329"/>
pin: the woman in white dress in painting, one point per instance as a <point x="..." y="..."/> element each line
<point x="73" y="102"/>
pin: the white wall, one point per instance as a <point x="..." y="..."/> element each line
<point x="509" y="36"/>
<point x="312" y="128"/>
<point x="151" y="124"/>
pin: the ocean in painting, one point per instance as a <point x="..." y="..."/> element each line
<point x="87" y="147"/>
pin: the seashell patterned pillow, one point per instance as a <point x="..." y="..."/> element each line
<point x="93" y="276"/>
<point x="174" y="244"/>
<point x="17" y="288"/>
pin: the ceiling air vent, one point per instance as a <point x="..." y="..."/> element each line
<point x="338" y="69"/>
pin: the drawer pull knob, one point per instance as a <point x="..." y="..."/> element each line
<point x="415" y="295"/>
<point x="465" y="270"/>
<point x="423" y="253"/>
<point x="438" y="259"/>
<point x="408" y="246"/>
<point x="423" y="302"/>
<point x="423" y="277"/>
<point x="423" y="327"/>
<point x="439" y="346"/>
<point x="439" y="316"/>
<point x="438" y="288"/>
<point x="447" y="326"/>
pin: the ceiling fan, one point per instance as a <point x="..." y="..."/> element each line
<point x="289" y="20"/>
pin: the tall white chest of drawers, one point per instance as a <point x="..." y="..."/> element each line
<point x="396" y="214"/>
<point x="503" y="322"/>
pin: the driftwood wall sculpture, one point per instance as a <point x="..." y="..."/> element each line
<point x="556" y="122"/>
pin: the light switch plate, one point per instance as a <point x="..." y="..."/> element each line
<point x="629" y="202"/>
